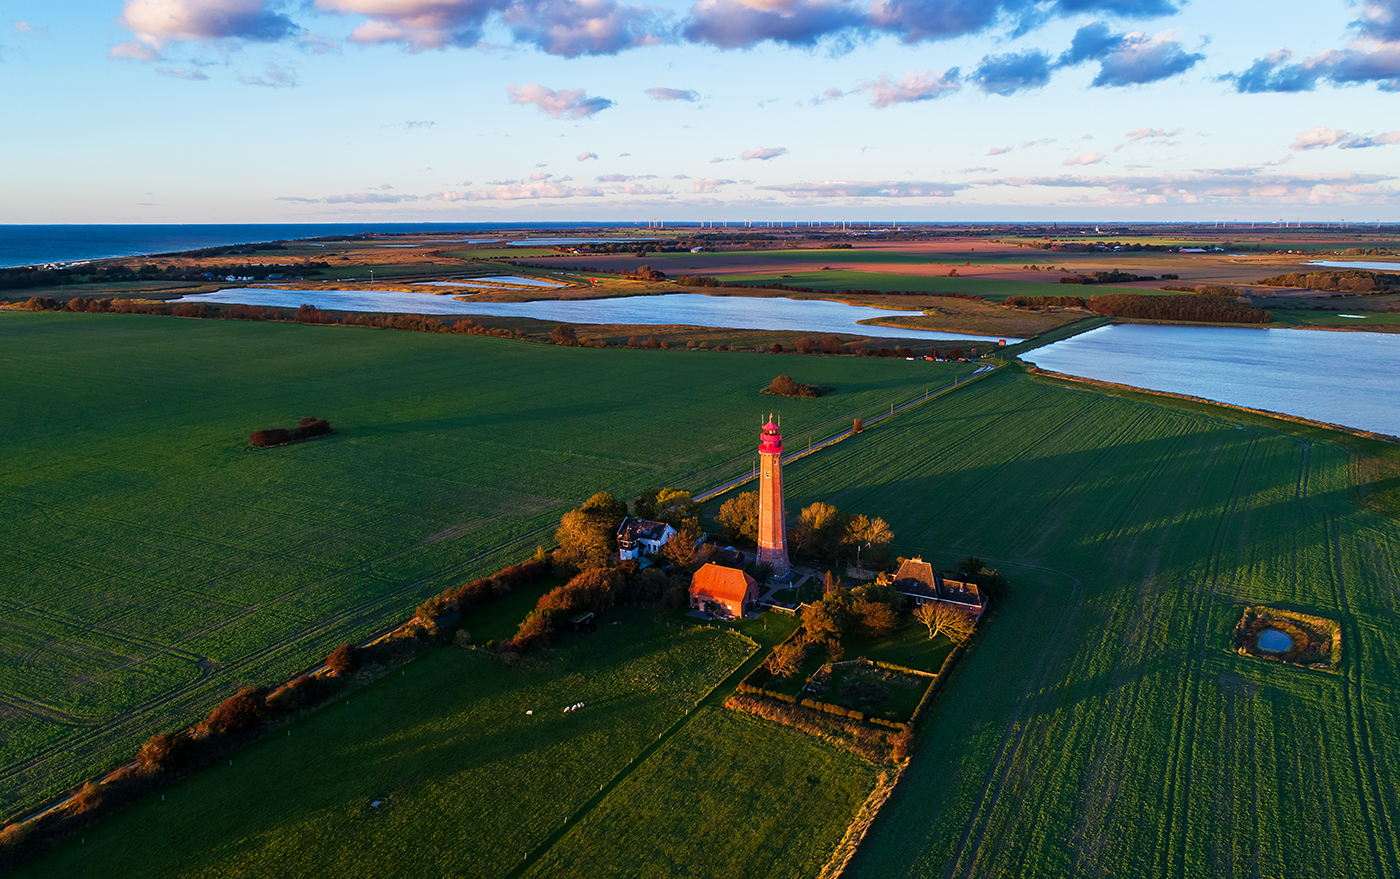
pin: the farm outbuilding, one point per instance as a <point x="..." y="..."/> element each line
<point x="722" y="591"/>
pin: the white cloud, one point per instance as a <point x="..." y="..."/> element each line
<point x="709" y="184"/>
<point x="157" y="23"/>
<point x="866" y="189"/>
<point x="763" y="154"/>
<point x="661" y="93"/>
<point x="585" y="156"/>
<point x="912" y="86"/>
<point x="1084" y="159"/>
<point x="565" y="103"/>
<point x="1321" y="137"/>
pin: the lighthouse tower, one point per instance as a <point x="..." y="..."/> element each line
<point x="772" y="523"/>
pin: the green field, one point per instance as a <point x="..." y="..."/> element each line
<point x="151" y="561"/>
<point x="468" y="782"/>
<point x="885" y="282"/>
<point x="730" y="795"/>
<point x="1101" y="725"/>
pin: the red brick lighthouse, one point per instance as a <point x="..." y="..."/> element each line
<point x="772" y="523"/>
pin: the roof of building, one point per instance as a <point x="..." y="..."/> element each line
<point x="640" y="529"/>
<point x="725" y="584"/>
<point x="916" y="577"/>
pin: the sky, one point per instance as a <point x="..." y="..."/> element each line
<point x="233" y="111"/>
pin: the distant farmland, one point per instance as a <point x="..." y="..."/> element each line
<point x="1102" y="725"/>
<point x="152" y="561"/>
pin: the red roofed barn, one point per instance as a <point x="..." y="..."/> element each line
<point x="723" y="591"/>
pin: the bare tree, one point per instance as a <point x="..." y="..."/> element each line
<point x="944" y="619"/>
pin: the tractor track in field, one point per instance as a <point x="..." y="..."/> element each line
<point x="1182" y="757"/>
<point x="193" y="689"/>
<point x="1378" y="825"/>
<point x="965" y="859"/>
<point x="1361" y="756"/>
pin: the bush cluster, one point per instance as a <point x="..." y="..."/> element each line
<point x="1113" y="277"/>
<point x="784" y="386"/>
<point x="308" y="428"/>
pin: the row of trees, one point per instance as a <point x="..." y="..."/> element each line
<point x="821" y="529"/>
<point x="1111" y="277"/>
<point x="1214" y="309"/>
<point x="1042" y="301"/>
<point x="1347" y="281"/>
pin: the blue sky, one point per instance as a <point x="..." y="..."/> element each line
<point x="514" y="110"/>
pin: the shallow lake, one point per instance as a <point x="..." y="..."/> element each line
<point x="1274" y="641"/>
<point x="692" y="309"/>
<point x="508" y="280"/>
<point x="1344" y="378"/>
<point x="1370" y="266"/>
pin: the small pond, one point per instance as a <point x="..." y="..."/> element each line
<point x="688" y="309"/>
<point x="1274" y="641"/>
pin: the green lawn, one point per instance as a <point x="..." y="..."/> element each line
<point x="730" y="795"/>
<point x="1101" y="724"/>
<point x="151" y="561"/>
<point x="468" y="781"/>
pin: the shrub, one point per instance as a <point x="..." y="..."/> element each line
<point x="307" y="428"/>
<point x="298" y="693"/>
<point x="343" y="660"/>
<point x="240" y="712"/>
<point x="164" y="752"/>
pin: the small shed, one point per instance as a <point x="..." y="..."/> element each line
<point x="722" y="591"/>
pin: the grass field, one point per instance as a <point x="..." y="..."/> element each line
<point x="468" y="782"/>
<point x="1101" y="724"/>
<point x="839" y="279"/>
<point x="151" y="561"/>
<point x="730" y="795"/>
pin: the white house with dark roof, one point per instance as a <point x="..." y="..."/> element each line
<point x="636" y="537"/>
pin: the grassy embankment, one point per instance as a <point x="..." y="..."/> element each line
<point x="1102" y="722"/>
<point x="152" y="561"/>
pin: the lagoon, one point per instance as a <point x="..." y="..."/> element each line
<point x="692" y="309"/>
<point x="1346" y="378"/>
<point x="1346" y="264"/>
